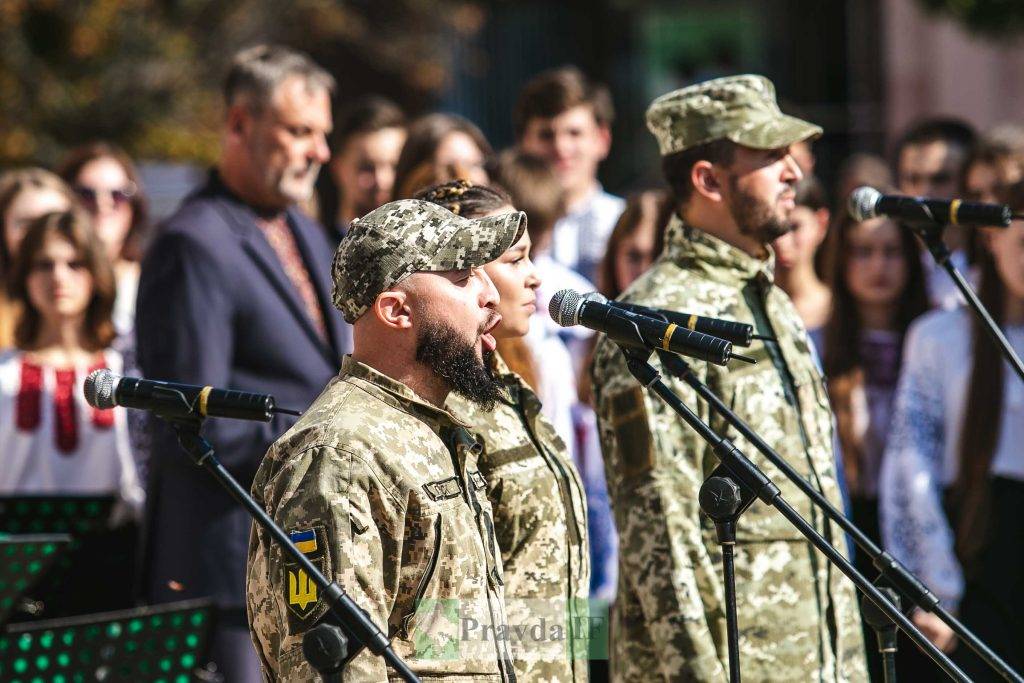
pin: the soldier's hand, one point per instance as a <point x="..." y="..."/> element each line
<point x="935" y="630"/>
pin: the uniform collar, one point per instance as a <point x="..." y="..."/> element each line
<point x="717" y="260"/>
<point x="514" y="389"/>
<point x="393" y="392"/>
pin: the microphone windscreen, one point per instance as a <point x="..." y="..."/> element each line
<point x="564" y="307"/>
<point x="99" y="388"/>
<point x="596" y="297"/>
<point x="862" y="203"/>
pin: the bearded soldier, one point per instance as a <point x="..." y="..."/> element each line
<point x="725" y="149"/>
<point x="377" y="484"/>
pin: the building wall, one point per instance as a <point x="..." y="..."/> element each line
<point x="933" y="66"/>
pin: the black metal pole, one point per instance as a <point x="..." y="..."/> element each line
<point x="931" y="235"/>
<point x="721" y="500"/>
<point x="354" y="618"/>
<point x="892" y="569"/>
<point x="749" y="475"/>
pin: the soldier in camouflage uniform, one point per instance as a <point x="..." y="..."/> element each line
<point x="540" y="512"/>
<point x="725" y="148"/>
<point x="377" y="484"/>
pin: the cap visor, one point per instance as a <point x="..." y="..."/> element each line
<point x="481" y="241"/>
<point x="777" y="132"/>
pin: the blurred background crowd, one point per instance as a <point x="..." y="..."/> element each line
<point x="111" y="110"/>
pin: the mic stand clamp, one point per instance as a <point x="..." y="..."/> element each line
<point x="356" y="622"/>
<point x="325" y="647"/>
<point x="885" y="630"/>
<point x="722" y="500"/>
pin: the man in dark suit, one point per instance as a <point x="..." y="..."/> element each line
<point x="235" y="293"/>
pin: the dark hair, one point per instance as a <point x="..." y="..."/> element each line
<point x="12" y="185"/>
<point x="465" y="199"/>
<point x="677" y="167"/>
<point x="257" y="71"/>
<point x="71" y="167"/>
<point x="366" y="115"/>
<point x="533" y="185"/>
<point x="984" y="407"/>
<point x="954" y="132"/>
<point x="76" y="227"/>
<point x="810" y="193"/>
<point x="425" y="135"/>
<point x="630" y="219"/>
<point x="552" y="92"/>
<point x="843" y="363"/>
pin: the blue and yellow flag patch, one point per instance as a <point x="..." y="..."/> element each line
<point x="300" y="592"/>
<point x="305" y="541"/>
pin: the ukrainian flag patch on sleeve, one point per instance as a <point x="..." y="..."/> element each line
<point x="301" y="595"/>
<point x="305" y="541"/>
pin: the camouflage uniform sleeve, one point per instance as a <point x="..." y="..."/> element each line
<point x="668" y="611"/>
<point x="321" y="497"/>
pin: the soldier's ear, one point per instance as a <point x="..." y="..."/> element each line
<point x="393" y="309"/>
<point x="705" y="180"/>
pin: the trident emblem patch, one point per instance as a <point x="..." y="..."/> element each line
<point x="301" y="595"/>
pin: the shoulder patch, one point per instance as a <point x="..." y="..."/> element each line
<point x="627" y="415"/>
<point x="302" y="596"/>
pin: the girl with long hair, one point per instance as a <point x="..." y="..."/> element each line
<point x="952" y="484"/>
<point x="878" y="289"/>
<point x="25" y="194"/>
<point x="536" y="494"/>
<point x="52" y="442"/>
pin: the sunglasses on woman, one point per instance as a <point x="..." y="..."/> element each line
<point x="119" y="197"/>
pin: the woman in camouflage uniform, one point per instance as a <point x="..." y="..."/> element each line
<point x="534" y="488"/>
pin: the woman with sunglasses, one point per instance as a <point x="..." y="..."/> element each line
<point x="539" y="506"/>
<point x="107" y="182"/>
<point x="25" y="194"/>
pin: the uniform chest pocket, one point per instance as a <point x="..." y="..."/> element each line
<point x="432" y="546"/>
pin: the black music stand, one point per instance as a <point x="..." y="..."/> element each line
<point x="163" y="643"/>
<point x="24" y="561"/>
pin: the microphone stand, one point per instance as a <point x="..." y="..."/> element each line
<point x="746" y="475"/>
<point x="930" y="233"/>
<point x="892" y="570"/>
<point x="355" y="620"/>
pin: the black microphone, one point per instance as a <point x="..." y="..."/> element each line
<point x="740" y="334"/>
<point x="104" y="389"/>
<point x="569" y="307"/>
<point x="867" y="202"/>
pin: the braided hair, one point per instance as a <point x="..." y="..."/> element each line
<point x="465" y="199"/>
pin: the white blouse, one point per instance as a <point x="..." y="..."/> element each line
<point x="53" y="442"/>
<point x="922" y="454"/>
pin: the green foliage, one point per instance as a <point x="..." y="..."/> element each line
<point x="997" y="18"/>
<point x="147" y="73"/>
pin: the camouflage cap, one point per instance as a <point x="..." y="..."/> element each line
<point x="738" y="108"/>
<point x="401" y="238"/>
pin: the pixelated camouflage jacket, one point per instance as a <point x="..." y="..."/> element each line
<point x="540" y="517"/>
<point x="798" y="616"/>
<point x="382" y="491"/>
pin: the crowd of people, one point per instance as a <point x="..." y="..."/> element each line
<point x="235" y="290"/>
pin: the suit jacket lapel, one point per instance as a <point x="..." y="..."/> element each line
<point x="243" y="221"/>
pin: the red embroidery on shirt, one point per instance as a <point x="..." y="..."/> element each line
<point x="28" y="406"/>
<point x="64" y="410"/>
<point x="102" y="418"/>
